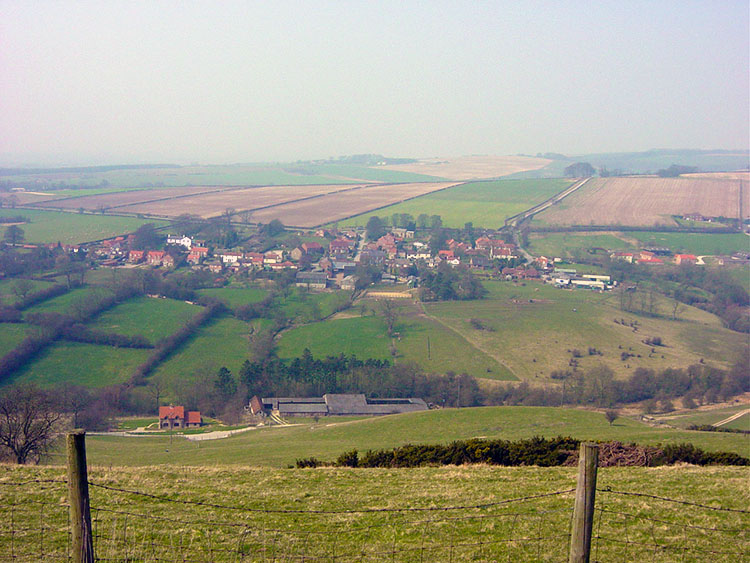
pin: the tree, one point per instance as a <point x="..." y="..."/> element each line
<point x="21" y="288"/>
<point x="389" y="314"/>
<point x="375" y="228"/>
<point x="28" y="418"/>
<point x="146" y="237"/>
<point x="611" y="415"/>
<point x="579" y="170"/>
<point x="225" y="384"/>
<point x="14" y="235"/>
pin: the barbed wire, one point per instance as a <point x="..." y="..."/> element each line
<point x="656" y="497"/>
<point x="688" y="526"/>
<point x="345" y="511"/>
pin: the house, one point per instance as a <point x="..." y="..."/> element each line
<point x="202" y="251"/>
<point x="180" y="240"/>
<point x="193" y="258"/>
<point x="155" y="257"/>
<point x="650" y="261"/>
<point x="402" y="233"/>
<point x="685" y="259"/>
<point x="229" y="257"/>
<point x="273" y="257"/>
<point x="136" y="256"/>
<point x="314" y="280"/>
<point x="348" y="283"/>
<point x="340" y="248"/>
<point x="167" y="261"/>
<point x="627" y="256"/>
<point x="340" y="405"/>
<point x="374" y="257"/>
<point x="174" y="417"/>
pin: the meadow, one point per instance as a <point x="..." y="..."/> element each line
<point x="437" y="514"/>
<point x="695" y="243"/>
<point x="11" y="335"/>
<point x="75" y="363"/>
<point x="698" y="417"/>
<point x="565" y="244"/>
<point x="64" y="303"/>
<point x="326" y="439"/>
<point x="484" y="204"/>
<point x="72" y="228"/>
<point x="154" y="318"/>
<point x="8" y="297"/>
<point x="223" y="341"/>
<point x="235" y="296"/>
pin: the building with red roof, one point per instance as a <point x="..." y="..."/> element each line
<point x="174" y="417"/>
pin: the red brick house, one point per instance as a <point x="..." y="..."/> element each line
<point x="135" y="256"/>
<point x="155" y="257"/>
<point x="174" y="417"/>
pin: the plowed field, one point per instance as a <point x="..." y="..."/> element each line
<point x="120" y="199"/>
<point x="212" y="204"/>
<point x="337" y="206"/>
<point x="648" y="201"/>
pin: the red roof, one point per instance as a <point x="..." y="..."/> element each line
<point x="194" y="417"/>
<point x="686" y="256"/>
<point x="171" y="412"/>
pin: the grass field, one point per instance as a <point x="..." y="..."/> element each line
<point x="563" y="244"/>
<point x="712" y="416"/>
<point x="303" y="306"/>
<point x="74" y="363"/>
<point x="11" y="335"/>
<point x="235" y="296"/>
<point x="153" y="318"/>
<point x="326" y="440"/>
<point x="695" y="243"/>
<point x="534" y="338"/>
<point x="377" y="515"/>
<point x="72" y="228"/>
<point x="62" y="303"/>
<point x="485" y="204"/>
<point x="535" y="326"/>
<point x="222" y="342"/>
<point x="6" y="290"/>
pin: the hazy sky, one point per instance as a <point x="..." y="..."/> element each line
<point x="218" y="82"/>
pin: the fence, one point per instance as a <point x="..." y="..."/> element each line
<point x="40" y="523"/>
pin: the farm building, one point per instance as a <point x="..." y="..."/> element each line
<point x="339" y="405"/>
<point x="174" y="417"/>
<point x="314" y="280"/>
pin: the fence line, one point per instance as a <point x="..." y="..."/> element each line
<point x="135" y="525"/>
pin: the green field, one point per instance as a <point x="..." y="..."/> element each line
<point x="74" y="363"/>
<point x="699" y="244"/>
<point x="235" y="296"/>
<point x="712" y="416"/>
<point x="150" y="317"/>
<point x="6" y="290"/>
<point x="72" y="228"/>
<point x="281" y="446"/>
<point x="485" y="204"/>
<point x="11" y="335"/>
<point x="366" y="337"/>
<point x="534" y="338"/>
<point x="302" y="306"/>
<point x="375" y="173"/>
<point x="534" y="328"/>
<point x="564" y="244"/>
<point x="62" y="303"/>
<point x="222" y="342"/>
<point x="440" y="514"/>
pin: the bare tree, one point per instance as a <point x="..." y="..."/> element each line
<point x="28" y="418"/>
<point x="22" y="287"/>
<point x="389" y="314"/>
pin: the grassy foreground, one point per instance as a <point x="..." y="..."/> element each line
<point x="327" y="438"/>
<point x="478" y="513"/>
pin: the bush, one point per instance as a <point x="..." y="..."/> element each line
<point x="348" y="459"/>
<point x="308" y="462"/>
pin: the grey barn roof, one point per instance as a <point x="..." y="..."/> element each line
<point x="343" y="404"/>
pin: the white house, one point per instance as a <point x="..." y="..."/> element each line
<point x="180" y="240"/>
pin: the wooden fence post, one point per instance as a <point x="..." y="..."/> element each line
<point x="583" y="513"/>
<point x="82" y="544"/>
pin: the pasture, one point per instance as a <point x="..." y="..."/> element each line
<point x="484" y="204"/>
<point x="8" y="297"/>
<point x="153" y="318"/>
<point x="11" y="335"/>
<point x="223" y="341"/>
<point x="646" y="201"/>
<point x="704" y="415"/>
<point x="565" y="244"/>
<point x="75" y="363"/>
<point x="326" y="439"/>
<point x="695" y="243"/>
<point x="453" y="513"/>
<point x="235" y="296"/>
<point x="536" y="326"/>
<point x="64" y="303"/>
<point x="72" y="228"/>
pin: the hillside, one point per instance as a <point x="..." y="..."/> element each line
<point x="327" y="438"/>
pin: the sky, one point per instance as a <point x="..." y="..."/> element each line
<point x="228" y="82"/>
